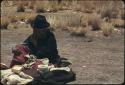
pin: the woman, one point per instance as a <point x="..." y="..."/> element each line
<point x="41" y="43"/>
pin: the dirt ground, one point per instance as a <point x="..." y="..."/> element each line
<point x="98" y="62"/>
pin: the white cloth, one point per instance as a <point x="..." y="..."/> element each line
<point x="12" y="77"/>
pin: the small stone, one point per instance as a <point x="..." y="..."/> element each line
<point x="83" y="66"/>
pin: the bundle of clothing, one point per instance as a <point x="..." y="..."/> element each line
<point x="14" y="76"/>
<point x="37" y="72"/>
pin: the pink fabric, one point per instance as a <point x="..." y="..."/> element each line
<point x="19" y="54"/>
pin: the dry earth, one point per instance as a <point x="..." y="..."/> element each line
<point x="98" y="62"/>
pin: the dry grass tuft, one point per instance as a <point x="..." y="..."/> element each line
<point x="25" y="3"/>
<point x="48" y="6"/>
<point x="83" y="6"/>
<point x="78" y="8"/>
<point x="78" y="31"/>
<point x="107" y="29"/>
<point x="95" y="22"/>
<point x="118" y="22"/>
<point x="122" y="14"/>
<point x="30" y="17"/>
<point x="31" y="4"/>
<point x="84" y="21"/>
<point x="63" y="20"/>
<point x="4" y="23"/>
<point x="20" y="7"/>
<point x="41" y="6"/>
<point x="109" y="12"/>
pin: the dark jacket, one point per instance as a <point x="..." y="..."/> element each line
<point x="47" y="48"/>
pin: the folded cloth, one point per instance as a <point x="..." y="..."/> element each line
<point x="14" y="79"/>
<point x="5" y="72"/>
<point x="61" y="68"/>
<point x="17" y="68"/>
<point x="55" y="77"/>
<point x="14" y="76"/>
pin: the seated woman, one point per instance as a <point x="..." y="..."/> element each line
<point x="41" y="43"/>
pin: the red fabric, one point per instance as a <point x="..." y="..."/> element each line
<point x="19" y="54"/>
<point x="35" y="65"/>
<point x="33" y="70"/>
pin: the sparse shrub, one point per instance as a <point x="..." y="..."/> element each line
<point x="78" y="8"/>
<point x="59" y="22"/>
<point x="84" y="21"/>
<point x="31" y="5"/>
<point x="25" y="3"/>
<point x="30" y="18"/>
<point x="122" y="14"/>
<point x="78" y="31"/>
<point x="95" y="22"/>
<point x="63" y="20"/>
<point x="52" y="20"/>
<point x="20" y="7"/>
<point x="106" y="13"/>
<point x="39" y="9"/>
<point x="53" y="6"/>
<point x="4" y="23"/>
<point x="107" y="28"/>
<point x="118" y="22"/>
<point x="41" y="6"/>
<point x="84" y="6"/>
<point x="48" y="6"/>
<point x="110" y="13"/>
<point x="74" y="20"/>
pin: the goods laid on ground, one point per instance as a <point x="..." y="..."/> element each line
<point x="38" y="71"/>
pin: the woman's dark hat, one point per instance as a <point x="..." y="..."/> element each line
<point x="40" y="22"/>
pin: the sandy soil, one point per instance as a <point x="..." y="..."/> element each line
<point x="98" y="62"/>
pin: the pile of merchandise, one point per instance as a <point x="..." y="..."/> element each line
<point x="37" y="72"/>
